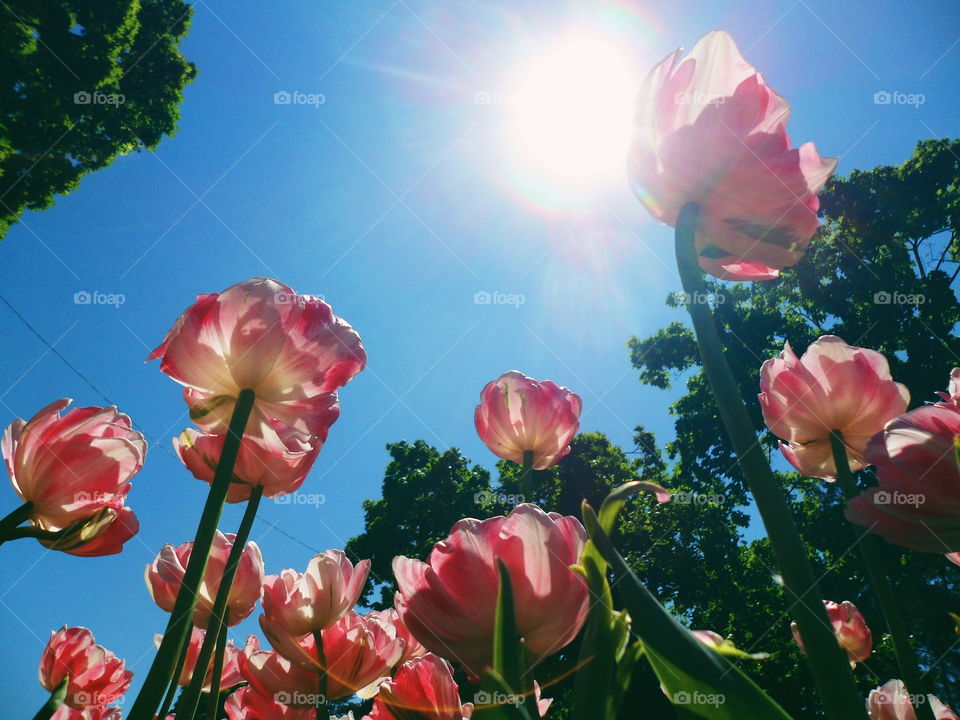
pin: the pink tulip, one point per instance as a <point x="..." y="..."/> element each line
<point x="851" y="630"/>
<point x="290" y="349"/>
<point x="917" y="503"/>
<point x="65" y="712"/>
<point x="891" y="702"/>
<point x="357" y="651"/>
<point x="708" y="130"/>
<point x="412" y="648"/>
<point x="95" y="676"/>
<point x="450" y="601"/>
<point x="248" y="704"/>
<point x="71" y="467"/>
<point x="834" y="386"/>
<point x="314" y="600"/>
<point x="106" y="536"/>
<point x="165" y="575"/>
<point x="231" y="669"/>
<point x="279" y="466"/>
<point x="423" y="688"/>
<point x="518" y="414"/>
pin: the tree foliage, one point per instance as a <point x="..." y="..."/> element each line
<point x="81" y="82"/>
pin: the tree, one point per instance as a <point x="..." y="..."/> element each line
<point x="880" y="275"/>
<point x="81" y="82"/>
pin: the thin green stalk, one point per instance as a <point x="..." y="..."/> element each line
<point x="16" y="517"/>
<point x="526" y="477"/>
<point x="827" y="662"/>
<point x="321" y="709"/>
<point x="174" y="682"/>
<point x="178" y="627"/>
<point x="190" y="700"/>
<point x="55" y="700"/>
<point x="883" y="589"/>
<point x="216" y="673"/>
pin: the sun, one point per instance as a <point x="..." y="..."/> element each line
<point x="571" y="119"/>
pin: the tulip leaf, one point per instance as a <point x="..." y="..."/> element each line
<point x="507" y="650"/>
<point x="606" y="659"/>
<point x="700" y="682"/>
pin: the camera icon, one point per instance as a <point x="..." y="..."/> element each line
<point x="482" y="298"/>
<point x="882" y="497"/>
<point x="882" y="298"/>
<point x="283" y="697"/>
<point x="882" y="97"/>
<point x="483" y="698"/>
<point x="282" y="98"/>
<point x="81" y="298"/>
<point x="482" y="98"/>
<point x="284" y="499"/>
<point x="681" y="698"/>
<point x="82" y="98"/>
<point x="285" y="298"/>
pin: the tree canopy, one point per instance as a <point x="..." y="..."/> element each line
<point x="81" y="82"/>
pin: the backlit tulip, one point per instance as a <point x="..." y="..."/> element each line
<point x="317" y="598"/>
<point x="105" y="534"/>
<point x="851" y="630"/>
<point x="248" y="704"/>
<point x="230" y="675"/>
<point x="70" y="467"/>
<point x="449" y="602"/>
<point x="165" y="575"/>
<point x="423" y="688"/>
<point x="518" y="414"/>
<point x="357" y="651"/>
<point x="917" y="503"/>
<point x="290" y="349"/>
<point x="834" y="386"/>
<point x="891" y="702"/>
<point x="95" y="676"/>
<point x="412" y="647"/>
<point x="708" y="130"/>
<point x="280" y="466"/>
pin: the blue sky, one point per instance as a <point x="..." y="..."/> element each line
<point x="397" y="198"/>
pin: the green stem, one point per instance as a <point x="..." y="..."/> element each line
<point x="178" y="627"/>
<point x="322" y="711"/>
<point x="526" y="477"/>
<point x="190" y="700"/>
<point x="827" y="661"/>
<point x="883" y="589"/>
<point x="55" y="700"/>
<point x="16" y="517"/>
<point x="174" y="682"/>
<point x="216" y="674"/>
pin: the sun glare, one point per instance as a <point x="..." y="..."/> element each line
<point x="571" y="117"/>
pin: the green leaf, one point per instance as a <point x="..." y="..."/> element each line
<point x="700" y="682"/>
